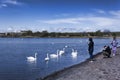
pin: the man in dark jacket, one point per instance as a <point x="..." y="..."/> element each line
<point x="91" y="47"/>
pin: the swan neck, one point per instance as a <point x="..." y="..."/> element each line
<point x="47" y="55"/>
<point x="73" y="50"/>
<point x="35" y="55"/>
<point x="57" y="52"/>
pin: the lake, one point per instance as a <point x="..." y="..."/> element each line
<point x="14" y="52"/>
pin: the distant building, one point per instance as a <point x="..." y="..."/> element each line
<point x="2" y="34"/>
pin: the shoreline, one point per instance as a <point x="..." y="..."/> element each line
<point x="52" y="75"/>
<point x="100" y="69"/>
<point x="61" y="37"/>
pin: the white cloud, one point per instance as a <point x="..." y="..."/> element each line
<point x="5" y="3"/>
<point x="88" y="23"/>
<point x="59" y="21"/>
<point x="115" y="13"/>
<point x="99" y="11"/>
<point x="13" y="2"/>
<point x="103" y="21"/>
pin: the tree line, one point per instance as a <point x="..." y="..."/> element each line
<point x="45" y="33"/>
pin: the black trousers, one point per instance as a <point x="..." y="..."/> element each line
<point x="91" y="53"/>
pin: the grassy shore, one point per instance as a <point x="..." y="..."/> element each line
<point x="100" y="69"/>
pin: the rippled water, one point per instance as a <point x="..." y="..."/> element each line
<point x="15" y="66"/>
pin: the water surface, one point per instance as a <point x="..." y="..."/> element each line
<point x="15" y="66"/>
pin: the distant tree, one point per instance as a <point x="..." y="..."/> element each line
<point x="38" y="34"/>
<point x="91" y="34"/>
<point x="52" y="34"/>
<point x="98" y="33"/>
<point x="27" y="33"/>
<point x="106" y="31"/>
<point x="45" y="31"/>
<point x="113" y="34"/>
<point x="44" y="34"/>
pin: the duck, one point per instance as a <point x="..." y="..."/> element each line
<point x="66" y="46"/>
<point x="32" y="58"/>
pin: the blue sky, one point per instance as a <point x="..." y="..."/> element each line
<point x="59" y="15"/>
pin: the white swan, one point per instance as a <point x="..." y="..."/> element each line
<point x="47" y="58"/>
<point x="74" y="53"/>
<point x="66" y="46"/>
<point x="54" y="55"/>
<point x="62" y="51"/>
<point x="31" y="58"/>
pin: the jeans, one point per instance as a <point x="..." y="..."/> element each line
<point x="91" y="53"/>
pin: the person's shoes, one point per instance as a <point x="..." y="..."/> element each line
<point x="109" y="56"/>
<point x="91" y="61"/>
<point x="113" y="54"/>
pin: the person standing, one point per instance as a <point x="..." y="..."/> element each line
<point x="91" y="48"/>
<point x="114" y="44"/>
